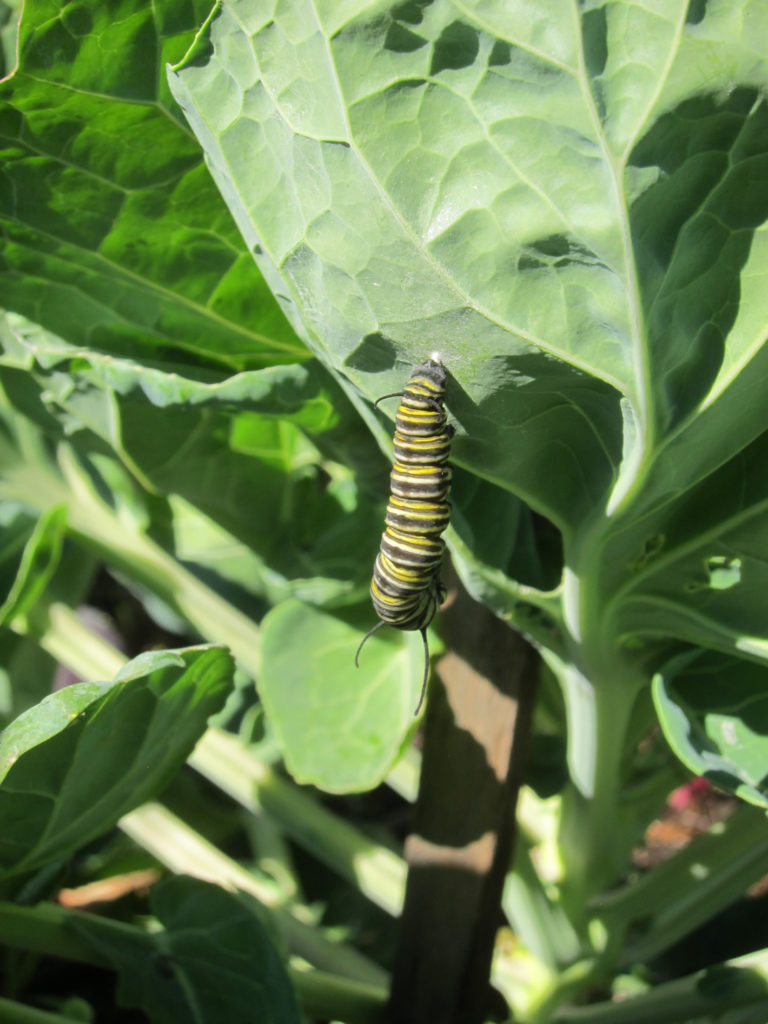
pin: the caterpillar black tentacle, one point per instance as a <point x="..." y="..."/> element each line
<point x="406" y="588"/>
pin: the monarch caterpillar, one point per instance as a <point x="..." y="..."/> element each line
<point x="406" y="590"/>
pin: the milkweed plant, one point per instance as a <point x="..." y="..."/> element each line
<point x="227" y="230"/>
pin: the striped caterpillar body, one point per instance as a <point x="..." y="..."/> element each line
<point x="406" y="588"/>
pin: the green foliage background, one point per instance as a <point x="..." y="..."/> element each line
<point x="224" y="233"/>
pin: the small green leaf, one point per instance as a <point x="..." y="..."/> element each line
<point x="213" y="960"/>
<point x="73" y="764"/>
<point x="713" y="709"/>
<point x="339" y="727"/>
<point x="38" y="564"/>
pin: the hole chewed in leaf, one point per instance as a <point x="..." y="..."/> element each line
<point x="651" y="548"/>
<point x="456" y="48"/>
<point x="697" y="10"/>
<point x="411" y="12"/>
<point x="556" y="251"/>
<point x="594" y="28"/>
<point x="723" y="572"/>
<point x="400" y="39"/>
<point x="500" y="54"/>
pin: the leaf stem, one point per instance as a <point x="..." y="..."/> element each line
<point x="101" y="530"/>
<point x="539" y="923"/>
<point x="599" y="714"/>
<point x="184" y="851"/>
<point x="242" y="774"/>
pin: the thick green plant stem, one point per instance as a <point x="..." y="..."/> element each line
<point x="600" y="689"/>
<point x="539" y="923"/>
<point x="374" y="870"/>
<point x="74" y="644"/>
<point x="592" y="848"/>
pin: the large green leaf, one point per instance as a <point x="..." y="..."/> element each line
<point x="714" y="712"/>
<point x="111" y="233"/>
<point x="396" y="237"/>
<point x="339" y="727"/>
<point x="570" y="206"/>
<point x="277" y="513"/>
<point x="71" y="765"/>
<point x="555" y="218"/>
<point x="697" y="568"/>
